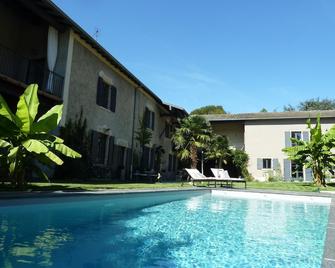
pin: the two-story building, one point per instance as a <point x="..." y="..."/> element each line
<point x="263" y="136"/>
<point x="40" y="44"/>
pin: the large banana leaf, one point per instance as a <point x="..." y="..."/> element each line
<point x="4" y="144"/>
<point x="49" y="121"/>
<point x="22" y="113"/>
<point x="65" y="150"/>
<point x="5" y="111"/>
<point x="12" y="153"/>
<point x="7" y="127"/>
<point x="35" y="146"/>
<point x="54" y="158"/>
<point x="30" y="95"/>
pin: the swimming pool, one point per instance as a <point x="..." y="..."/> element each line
<point x="177" y="229"/>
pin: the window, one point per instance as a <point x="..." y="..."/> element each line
<point x="267" y="163"/>
<point x="168" y="130"/>
<point x="172" y="165"/>
<point x="120" y="156"/>
<point x="106" y="95"/>
<point x="99" y="148"/>
<point x="149" y="119"/>
<point x="296" y="135"/>
<point x="296" y="170"/>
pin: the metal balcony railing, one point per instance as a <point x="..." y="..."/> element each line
<point x="30" y="71"/>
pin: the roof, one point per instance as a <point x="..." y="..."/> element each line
<point x="51" y="12"/>
<point x="270" y="116"/>
<point x="175" y="110"/>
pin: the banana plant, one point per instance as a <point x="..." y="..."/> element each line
<point x="317" y="153"/>
<point x="26" y="143"/>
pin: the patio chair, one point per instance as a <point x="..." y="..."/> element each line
<point x="223" y="175"/>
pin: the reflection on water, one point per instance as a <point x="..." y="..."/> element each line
<point x="38" y="250"/>
<point x="202" y="231"/>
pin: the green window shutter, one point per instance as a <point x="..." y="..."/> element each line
<point x="305" y="136"/>
<point x="288" y="142"/>
<point x="308" y="174"/>
<point x="287" y="169"/>
<point x="259" y="163"/>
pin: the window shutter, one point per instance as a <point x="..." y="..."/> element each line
<point x="287" y="169"/>
<point x="308" y="174"/>
<point x="99" y="91"/>
<point x="152" y="158"/>
<point x="288" y="142"/>
<point x="305" y="136"/>
<point x="174" y="166"/>
<point x="259" y="163"/>
<point x="170" y="163"/>
<point x="94" y="145"/>
<point x="275" y="162"/>
<point x="128" y="162"/>
<point x="145" y="158"/>
<point x="111" y="151"/>
<point x="147" y="118"/>
<point x="152" y="120"/>
<point x="113" y="99"/>
<point x="102" y="93"/>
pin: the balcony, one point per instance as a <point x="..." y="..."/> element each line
<point x="30" y="71"/>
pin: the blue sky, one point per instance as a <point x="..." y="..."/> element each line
<point x="241" y="54"/>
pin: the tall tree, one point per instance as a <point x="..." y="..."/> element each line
<point x="312" y="105"/>
<point x="288" y="108"/>
<point x="263" y="110"/>
<point x="194" y="133"/>
<point x="317" y="104"/>
<point x="209" y="109"/>
<point x="317" y="153"/>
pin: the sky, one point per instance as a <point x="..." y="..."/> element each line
<point x="241" y="54"/>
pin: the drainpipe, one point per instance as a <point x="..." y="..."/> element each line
<point x="133" y="133"/>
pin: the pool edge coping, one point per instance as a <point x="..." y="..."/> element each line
<point x="328" y="258"/>
<point x="61" y="194"/>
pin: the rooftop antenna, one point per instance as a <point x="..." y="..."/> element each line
<point x="96" y="33"/>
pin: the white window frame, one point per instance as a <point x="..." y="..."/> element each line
<point x="271" y="163"/>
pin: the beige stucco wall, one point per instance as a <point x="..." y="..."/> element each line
<point x="266" y="139"/>
<point x="234" y="131"/>
<point x="86" y="67"/>
<point x="84" y="76"/>
<point x="263" y="139"/>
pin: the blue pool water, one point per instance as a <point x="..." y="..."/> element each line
<point x="162" y="230"/>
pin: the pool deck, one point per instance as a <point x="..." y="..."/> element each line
<point x="329" y="248"/>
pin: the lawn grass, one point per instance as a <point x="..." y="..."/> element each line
<point x="45" y="186"/>
<point x="285" y="186"/>
<point x="58" y="186"/>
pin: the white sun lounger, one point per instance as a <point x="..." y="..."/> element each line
<point x="223" y="175"/>
<point x="196" y="175"/>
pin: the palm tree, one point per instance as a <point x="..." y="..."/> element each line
<point x="193" y="133"/>
<point x="218" y="149"/>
